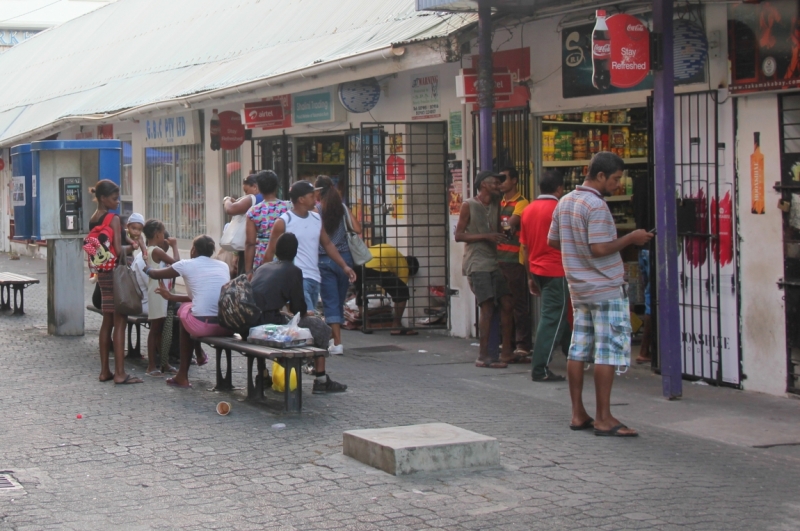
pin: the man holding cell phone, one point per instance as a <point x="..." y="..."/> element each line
<point x="584" y="230"/>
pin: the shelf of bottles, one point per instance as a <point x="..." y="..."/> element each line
<point x="329" y="151"/>
<point x="571" y="139"/>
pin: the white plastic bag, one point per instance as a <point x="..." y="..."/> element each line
<point x="235" y="234"/>
<point x="281" y="336"/>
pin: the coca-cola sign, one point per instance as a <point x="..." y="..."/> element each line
<point x="601" y="50"/>
<point x="630" y="50"/>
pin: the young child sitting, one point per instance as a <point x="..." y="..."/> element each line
<point x="158" y="243"/>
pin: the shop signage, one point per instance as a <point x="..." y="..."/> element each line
<point x="454" y="131"/>
<point x="180" y="129"/>
<point x="360" y="96"/>
<point x="231" y="130"/>
<point x="517" y="63"/>
<point x="270" y="113"/>
<point x="467" y="80"/>
<point x="84" y="135"/>
<point x="629" y="52"/>
<point x="316" y="107"/>
<point x="105" y="132"/>
<point x="763" y="45"/>
<point x="395" y="168"/>
<point x="425" y="96"/>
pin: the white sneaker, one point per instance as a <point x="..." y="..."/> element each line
<point x="336" y="350"/>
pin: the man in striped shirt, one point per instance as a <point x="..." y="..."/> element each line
<point x="583" y="229"/>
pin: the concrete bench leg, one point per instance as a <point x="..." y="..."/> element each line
<point x="226" y="383"/>
<point x="5" y="297"/>
<point x="19" y="309"/>
<point x="292" y="400"/>
<point x="134" y="351"/>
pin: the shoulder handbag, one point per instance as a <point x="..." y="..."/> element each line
<point x="358" y="249"/>
<point x="235" y="234"/>
<point x="127" y="294"/>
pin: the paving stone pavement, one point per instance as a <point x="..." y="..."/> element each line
<point x="151" y="457"/>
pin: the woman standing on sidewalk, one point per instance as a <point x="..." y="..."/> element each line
<point x="260" y="220"/>
<point x="107" y="197"/>
<point x="235" y="207"/>
<point x="334" y="281"/>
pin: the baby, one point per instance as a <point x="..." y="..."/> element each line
<point x="133" y="233"/>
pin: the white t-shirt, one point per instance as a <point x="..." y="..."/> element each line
<point x="307" y="230"/>
<point x="138" y="266"/>
<point x="204" y="277"/>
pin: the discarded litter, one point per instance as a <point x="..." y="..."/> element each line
<point x="423" y="351"/>
<point x="699" y="382"/>
<point x="278" y="426"/>
<point x="474" y="344"/>
<point x="78" y="416"/>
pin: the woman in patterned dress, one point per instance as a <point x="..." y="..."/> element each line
<point x="261" y="218"/>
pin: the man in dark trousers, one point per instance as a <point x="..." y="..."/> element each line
<point x="584" y="231"/>
<point x="546" y="278"/>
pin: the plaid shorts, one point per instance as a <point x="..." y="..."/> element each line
<point x="601" y="333"/>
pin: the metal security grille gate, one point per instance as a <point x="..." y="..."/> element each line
<point x="789" y="188"/>
<point x="398" y="190"/>
<point x="512" y="144"/>
<point x="274" y="154"/>
<point x="707" y="262"/>
<point x="175" y="187"/>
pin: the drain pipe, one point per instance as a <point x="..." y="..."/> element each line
<point x="485" y="84"/>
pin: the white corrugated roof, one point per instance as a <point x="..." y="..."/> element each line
<point x="42" y="14"/>
<point x="136" y="52"/>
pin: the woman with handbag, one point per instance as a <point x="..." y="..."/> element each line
<point x="260" y="220"/>
<point x="239" y="207"/>
<point x="105" y="249"/>
<point x="336" y="220"/>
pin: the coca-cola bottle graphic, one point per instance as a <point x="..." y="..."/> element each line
<point x="601" y="53"/>
<point x="215" y="131"/>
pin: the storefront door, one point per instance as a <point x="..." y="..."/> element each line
<point x="274" y="154"/>
<point x="512" y="144"/>
<point x="708" y="252"/>
<point x="789" y="187"/>
<point x="398" y="190"/>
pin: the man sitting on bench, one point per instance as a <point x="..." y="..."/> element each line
<point x="204" y="278"/>
<point x="276" y="284"/>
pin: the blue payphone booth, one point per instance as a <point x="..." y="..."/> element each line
<point x="62" y="172"/>
<point x="21" y="198"/>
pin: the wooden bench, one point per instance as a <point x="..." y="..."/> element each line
<point x="135" y="322"/>
<point x="290" y="358"/>
<point x="19" y="283"/>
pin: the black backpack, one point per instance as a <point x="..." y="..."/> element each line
<point x="238" y="310"/>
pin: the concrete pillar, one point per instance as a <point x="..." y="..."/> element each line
<point x="65" y="297"/>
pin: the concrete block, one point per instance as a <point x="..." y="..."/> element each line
<point x="421" y="448"/>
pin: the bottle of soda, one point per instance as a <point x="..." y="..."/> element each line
<point x="215" y="131"/>
<point x="601" y="53"/>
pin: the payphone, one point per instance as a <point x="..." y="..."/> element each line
<point x="70" y="204"/>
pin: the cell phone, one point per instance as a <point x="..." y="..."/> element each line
<point x="652" y="231"/>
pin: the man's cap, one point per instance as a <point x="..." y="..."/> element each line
<point x="301" y="188"/>
<point x="483" y="175"/>
<point x="136" y="218"/>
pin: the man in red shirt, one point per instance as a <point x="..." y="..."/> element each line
<point x="546" y="277"/>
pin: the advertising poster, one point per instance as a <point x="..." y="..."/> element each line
<point x="764" y="46"/>
<point x="425" y="96"/>
<point x="628" y="60"/>
<point x="455" y="189"/>
<point x="516" y="63"/>
<point x="454" y="131"/>
<point x="18" y="191"/>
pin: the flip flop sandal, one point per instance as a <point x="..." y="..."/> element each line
<point x="491" y="365"/>
<point x="202" y="361"/>
<point x="614" y="432"/>
<point x="587" y="424"/>
<point x="172" y="383"/>
<point x="129" y="380"/>
<point x="169" y="370"/>
<point x="155" y="374"/>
